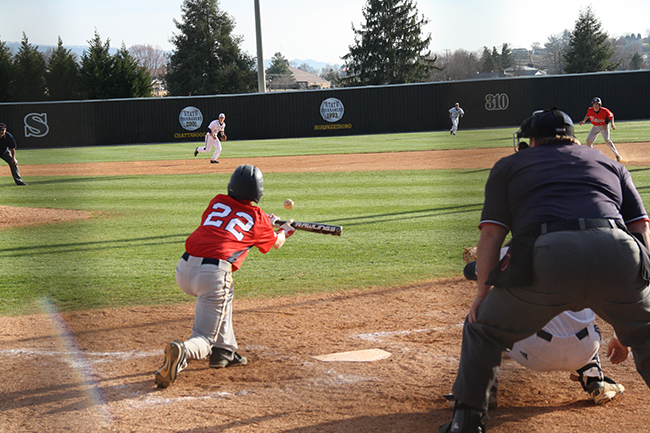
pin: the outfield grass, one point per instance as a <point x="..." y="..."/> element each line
<point x="438" y="140"/>
<point x="400" y="227"/>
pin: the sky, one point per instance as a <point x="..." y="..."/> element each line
<point x="309" y="29"/>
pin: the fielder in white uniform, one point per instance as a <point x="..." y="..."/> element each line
<point x="455" y="113"/>
<point x="569" y="342"/>
<point x="212" y="138"/>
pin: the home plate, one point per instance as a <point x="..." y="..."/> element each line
<point x="367" y="355"/>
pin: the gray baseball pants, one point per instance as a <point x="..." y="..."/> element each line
<point x="213" y="288"/>
<point x="594" y="268"/>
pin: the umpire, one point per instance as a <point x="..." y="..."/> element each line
<point x="578" y="227"/>
<point x="8" y="151"/>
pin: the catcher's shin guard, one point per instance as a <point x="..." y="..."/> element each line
<point x="466" y="420"/>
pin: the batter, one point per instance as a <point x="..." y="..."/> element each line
<point x="229" y="227"/>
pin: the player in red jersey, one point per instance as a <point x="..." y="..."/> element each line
<point x="600" y="118"/>
<point x="230" y="226"/>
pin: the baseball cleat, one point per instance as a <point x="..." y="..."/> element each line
<point x="618" y="158"/>
<point x="219" y="358"/>
<point x="196" y="151"/>
<point x="174" y="363"/>
<point x="214" y="162"/>
<point x="21" y="183"/>
<point x="604" y="391"/>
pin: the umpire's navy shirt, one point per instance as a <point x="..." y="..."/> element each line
<point x="559" y="181"/>
<point x="7" y="142"/>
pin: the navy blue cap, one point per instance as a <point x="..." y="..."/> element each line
<point x="548" y="123"/>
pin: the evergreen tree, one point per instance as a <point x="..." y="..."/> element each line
<point x="389" y="47"/>
<point x="487" y="61"/>
<point x="506" y="56"/>
<point x="278" y="75"/>
<point x="279" y="65"/>
<point x="63" y="77"/>
<point x="6" y="72"/>
<point x="589" y="49"/>
<point x="29" y="69"/>
<point x="130" y="79"/>
<point x="207" y="59"/>
<point x="97" y="70"/>
<point x="636" y="63"/>
<point x="496" y="59"/>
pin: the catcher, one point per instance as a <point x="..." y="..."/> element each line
<point x="569" y="342"/>
<point x="213" y="138"/>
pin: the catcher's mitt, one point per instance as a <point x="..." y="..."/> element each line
<point x="469" y="254"/>
<point x="222" y="136"/>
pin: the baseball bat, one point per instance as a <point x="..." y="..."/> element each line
<point x="325" y="229"/>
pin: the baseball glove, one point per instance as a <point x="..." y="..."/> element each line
<point x="469" y="254"/>
<point x="222" y="136"/>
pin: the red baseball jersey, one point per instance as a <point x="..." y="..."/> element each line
<point x="229" y="228"/>
<point x="601" y="118"/>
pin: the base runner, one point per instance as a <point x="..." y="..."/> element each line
<point x="600" y="118"/>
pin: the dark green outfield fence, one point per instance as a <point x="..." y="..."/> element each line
<point x="324" y="113"/>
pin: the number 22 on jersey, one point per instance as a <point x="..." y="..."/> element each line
<point x="235" y="224"/>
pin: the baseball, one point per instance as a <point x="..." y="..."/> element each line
<point x="288" y="204"/>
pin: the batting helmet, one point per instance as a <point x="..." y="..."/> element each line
<point x="547" y="123"/>
<point x="597" y="100"/>
<point x="246" y="183"/>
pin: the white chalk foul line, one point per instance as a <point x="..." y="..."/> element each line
<point x="90" y="357"/>
<point x="379" y="336"/>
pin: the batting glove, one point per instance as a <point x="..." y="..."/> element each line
<point x="287" y="228"/>
<point x="272" y="218"/>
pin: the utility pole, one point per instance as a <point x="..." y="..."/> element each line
<point x="261" y="78"/>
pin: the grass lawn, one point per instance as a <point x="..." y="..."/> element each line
<point x="400" y="227"/>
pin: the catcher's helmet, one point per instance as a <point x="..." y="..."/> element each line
<point x="547" y="123"/>
<point x="246" y="183"/>
<point x="597" y="100"/>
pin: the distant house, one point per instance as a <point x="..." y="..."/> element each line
<point x="512" y="71"/>
<point x="486" y="75"/>
<point x="523" y="71"/>
<point x="305" y="80"/>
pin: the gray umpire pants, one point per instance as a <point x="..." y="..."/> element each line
<point x="14" y="168"/>
<point x="595" y="268"/>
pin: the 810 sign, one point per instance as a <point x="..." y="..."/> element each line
<point x="498" y="101"/>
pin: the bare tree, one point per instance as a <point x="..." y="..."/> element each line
<point x="153" y="59"/>
<point x="331" y="73"/>
<point x="459" y="65"/>
<point x="627" y="48"/>
<point x="554" y="48"/>
<point x="305" y="67"/>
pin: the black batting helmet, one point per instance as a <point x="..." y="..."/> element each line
<point x="597" y="100"/>
<point x="547" y="123"/>
<point x="246" y="183"/>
